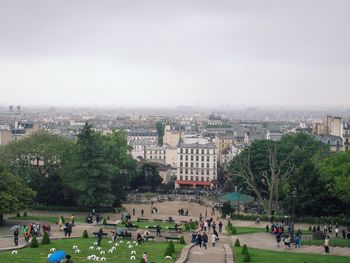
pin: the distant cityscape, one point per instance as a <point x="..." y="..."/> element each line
<point x="195" y="145"/>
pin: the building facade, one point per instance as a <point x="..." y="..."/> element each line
<point x="196" y="165"/>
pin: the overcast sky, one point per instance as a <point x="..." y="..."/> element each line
<point x="167" y="53"/>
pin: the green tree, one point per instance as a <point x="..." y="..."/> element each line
<point x="87" y="171"/>
<point x="123" y="167"/>
<point x="148" y="178"/>
<point x="14" y="194"/>
<point x="336" y="171"/>
<point x="37" y="160"/>
<point x="160" y="130"/>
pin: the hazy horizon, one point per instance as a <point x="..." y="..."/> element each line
<point x="204" y="54"/>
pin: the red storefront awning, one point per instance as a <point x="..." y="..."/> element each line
<point x="183" y="182"/>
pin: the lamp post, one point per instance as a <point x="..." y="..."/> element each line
<point x="294" y="194"/>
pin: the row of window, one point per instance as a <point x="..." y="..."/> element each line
<point x="197" y="151"/>
<point x="197" y="165"/>
<point x="196" y="178"/>
<point x="157" y="157"/>
<point x="157" y="151"/>
<point x="186" y="157"/>
<point x="196" y="171"/>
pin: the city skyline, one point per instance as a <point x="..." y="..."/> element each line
<point x="162" y="54"/>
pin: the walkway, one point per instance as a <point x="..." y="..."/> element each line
<point x="212" y="254"/>
<point x="268" y="242"/>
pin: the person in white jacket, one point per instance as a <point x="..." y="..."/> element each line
<point x="213" y="240"/>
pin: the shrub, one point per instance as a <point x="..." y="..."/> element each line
<point x="85" y="234"/>
<point x="310" y="228"/>
<point x="244" y="249"/>
<point x="193" y="225"/>
<point x="182" y="240"/>
<point x="168" y="252"/>
<point x="314" y="229"/>
<point x="25" y="214"/>
<point x="171" y="246"/>
<point x="63" y="220"/>
<point x="237" y="244"/>
<point x="104" y="222"/>
<point x="34" y="243"/>
<point x="187" y="227"/>
<point x="142" y="260"/>
<point x="138" y="219"/>
<point x="231" y="230"/>
<point x="46" y="239"/>
<point x="108" y="218"/>
<point x="246" y="257"/>
<point x="18" y="214"/>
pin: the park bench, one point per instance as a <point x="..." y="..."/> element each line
<point x="151" y="237"/>
<point x="110" y="225"/>
<point x="142" y="219"/>
<point x="170" y="221"/>
<point x="173" y="229"/>
<point x="183" y="221"/>
<point x="157" y="220"/>
<point x="172" y="238"/>
<point x="95" y="233"/>
<point x="125" y="236"/>
<point x="132" y="227"/>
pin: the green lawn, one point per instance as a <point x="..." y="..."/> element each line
<point x="265" y="256"/>
<point x="333" y="242"/>
<point x="143" y="225"/>
<point x="154" y="250"/>
<point x="50" y="219"/>
<point x="247" y="230"/>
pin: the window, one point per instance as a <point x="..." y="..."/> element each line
<point x="156" y="152"/>
<point x="191" y="157"/>
<point x="207" y="165"/>
<point x="202" y="158"/>
<point x="186" y="178"/>
<point x="191" y="151"/>
<point x="186" y="171"/>
<point x="191" y="178"/>
<point x="207" y="178"/>
<point x="197" y="158"/>
<point x="202" y="178"/>
<point x="181" y="177"/>
<point x="191" y="164"/>
<point x="186" y="151"/>
<point x="207" y="158"/>
<point x="191" y="172"/>
<point x="197" y="151"/>
<point x="150" y="157"/>
<point x="197" y="171"/>
<point x="186" y="164"/>
<point x="181" y="164"/>
<point x="202" y="172"/>
<point x="181" y="171"/>
<point x="207" y="172"/>
<point x="186" y="157"/>
<point x="181" y="150"/>
<point x="202" y="151"/>
<point x="197" y="178"/>
<point x="180" y="157"/>
<point x="197" y="165"/>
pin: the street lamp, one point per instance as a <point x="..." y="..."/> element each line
<point x="294" y="194"/>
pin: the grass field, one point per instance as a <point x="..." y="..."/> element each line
<point x="333" y="242"/>
<point x="143" y="225"/>
<point x="154" y="250"/>
<point x="247" y="230"/>
<point x="265" y="256"/>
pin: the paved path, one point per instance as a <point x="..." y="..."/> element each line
<point x="210" y="255"/>
<point x="268" y="242"/>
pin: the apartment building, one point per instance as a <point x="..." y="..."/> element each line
<point x="196" y="165"/>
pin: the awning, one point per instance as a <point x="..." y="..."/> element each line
<point x="183" y="182"/>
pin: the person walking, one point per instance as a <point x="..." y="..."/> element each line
<point x="199" y="240"/>
<point x="336" y="231"/>
<point x="213" y="240"/>
<point x="15" y="236"/>
<point x="99" y="236"/>
<point x="343" y="233"/>
<point x="278" y="239"/>
<point x="220" y="227"/>
<point x="205" y="240"/>
<point x="142" y="212"/>
<point x="158" y="231"/>
<point x="267" y="228"/>
<point x="133" y="211"/>
<point x="326" y="244"/>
